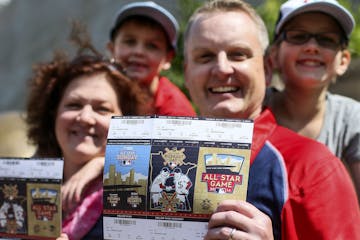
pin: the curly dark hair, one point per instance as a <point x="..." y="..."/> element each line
<point x="47" y="87"/>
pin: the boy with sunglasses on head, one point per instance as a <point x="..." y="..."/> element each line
<point x="309" y="52"/>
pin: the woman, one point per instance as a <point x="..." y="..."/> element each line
<point x="68" y="113"/>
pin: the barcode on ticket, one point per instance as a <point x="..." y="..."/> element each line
<point x="178" y="122"/>
<point x="45" y="163"/>
<point x="133" y="121"/>
<point x="170" y="224"/>
<point x="228" y="125"/>
<point x="124" y="222"/>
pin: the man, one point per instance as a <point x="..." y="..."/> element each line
<point x="294" y="181"/>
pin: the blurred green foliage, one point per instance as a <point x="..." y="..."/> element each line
<point x="269" y="12"/>
<point x="175" y="74"/>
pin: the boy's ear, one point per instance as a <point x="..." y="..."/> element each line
<point x="272" y="56"/>
<point x="166" y="66"/>
<point x="345" y="60"/>
<point x="270" y="63"/>
<point x="169" y="57"/>
<point x="110" y="47"/>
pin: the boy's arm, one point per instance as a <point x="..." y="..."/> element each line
<point x="73" y="188"/>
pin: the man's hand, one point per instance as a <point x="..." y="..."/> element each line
<point x="234" y="219"/>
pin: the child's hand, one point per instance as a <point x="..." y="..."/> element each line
<point x="63" y="236"/>
<point x="74" y="187"/>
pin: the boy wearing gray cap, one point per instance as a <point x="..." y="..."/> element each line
<point x="309" y="52"/>
<point x="143" y="40"/>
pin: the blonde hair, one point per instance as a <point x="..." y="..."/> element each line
<point x="229" y="6"/>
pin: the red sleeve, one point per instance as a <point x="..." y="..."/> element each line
<point x="171" y="101"/>
<point x="323" y="205"/>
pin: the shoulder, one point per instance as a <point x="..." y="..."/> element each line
<point x="309" y="164"/>
<point x="343" y="103"/>
<point x="286" y="143"/>
<point x="165" y="85"/>
<point x="171" y="101"/>
<point x="342" y="110"/>
<point x="303" y="155"/>
<point x="290" y="142"/>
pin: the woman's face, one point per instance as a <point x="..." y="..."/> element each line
<point x="83" y="117"/>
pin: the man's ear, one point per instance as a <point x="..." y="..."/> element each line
<point x="268" y="69"/>
<point x="344" y="63"/>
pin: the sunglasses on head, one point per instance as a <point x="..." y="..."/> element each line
<point x="330" y="40"/>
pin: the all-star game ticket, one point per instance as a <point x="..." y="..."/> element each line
<point x="30" y="201"/>
<point x="164" y="176"/>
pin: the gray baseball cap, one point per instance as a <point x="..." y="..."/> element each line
<point x="292" y="8"/>
<point x="151" y="10"/>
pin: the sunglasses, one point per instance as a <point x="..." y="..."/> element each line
<point x="330" y="40"/>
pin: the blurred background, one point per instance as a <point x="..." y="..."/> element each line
<point x="30" y="31"/>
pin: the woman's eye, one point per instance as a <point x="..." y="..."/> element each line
<point x="73" y="106"/>
<point x="103" y="109"/>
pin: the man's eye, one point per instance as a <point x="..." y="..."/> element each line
<point x="204" y="58"/>
<point x="237" y="56"/>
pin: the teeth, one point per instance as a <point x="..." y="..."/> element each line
<point x="311" y="63"/>
<point x="223" y="89"/>
<point x="76" y="133"/>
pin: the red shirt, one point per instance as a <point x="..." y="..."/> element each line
<point x="304" y="188"/>
<point x="171" y="101"/>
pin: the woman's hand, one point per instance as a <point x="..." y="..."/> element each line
<point x="235" y="219"/>
<point x="74" y="187"/>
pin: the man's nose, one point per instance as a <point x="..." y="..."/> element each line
<point x="223" y="65"/>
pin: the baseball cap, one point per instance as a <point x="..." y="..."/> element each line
<point x="151" y="10"/>
<point x="291" y="8"/>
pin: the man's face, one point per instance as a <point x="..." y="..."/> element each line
<point x="224" y="69"/>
